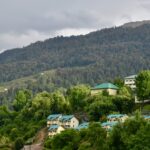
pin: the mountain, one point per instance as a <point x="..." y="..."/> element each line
<point x="95" y="57"/>
<point x="136" y="24"/>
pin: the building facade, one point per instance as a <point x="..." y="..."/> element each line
<point x="68" y="121"/>
<point x="130" y="81"/>
<point x="109" y="87"/>
<point x="55" y="129"/>
<point x="117" y="117"/>
<point x="58" y="122"/>
<point x="53" y="119"/>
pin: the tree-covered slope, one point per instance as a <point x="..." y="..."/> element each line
<point x="100" y="55"/>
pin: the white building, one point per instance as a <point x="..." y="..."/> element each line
<point x="55" y="129"/>
<point x="117" y="117"/>
<point x="108" y="125"/>
<point x="53" y="119"/>
<point x="130" y="81"/>
<point x="147" y="117"/>
<point x="68" y="121"/>
<point x="58" y="122"/>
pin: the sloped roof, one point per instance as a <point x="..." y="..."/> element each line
<point x="83" y="126"/>
<point x="131" y="77"/>
<point x="66" y="118"/>
<point x="116" y="116"/>
<point x="105" y="86"/>
<point x="53" y="127"/>
<point x="111" y="124"/>
<point x="53" y="116"/>
<point x="146" y="117"/>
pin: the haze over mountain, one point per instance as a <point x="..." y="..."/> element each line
<point x="136" y="23"/>
<point x="98" y="56"/>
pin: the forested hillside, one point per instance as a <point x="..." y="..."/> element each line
<point x="98" y="56"/>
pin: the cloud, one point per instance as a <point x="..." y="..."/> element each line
<point x="13" y="40"/>
<point x="26" y="21"/>
<point x="69" y="31"/>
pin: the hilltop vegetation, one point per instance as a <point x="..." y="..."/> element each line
<point x="27" y="114"/>
<point x="98" y="56"/>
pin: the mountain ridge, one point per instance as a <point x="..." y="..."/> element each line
<point x="101" y="55"/>
<point x="136" y="23"/>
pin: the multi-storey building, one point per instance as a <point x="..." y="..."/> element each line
<point x="117" y="117"/>
<point x="53" y="119"/>
<point x="58" y="122"/>
<point x="130" y="81"/>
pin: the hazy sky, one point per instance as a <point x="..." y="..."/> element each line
<point x="26" y="21"/>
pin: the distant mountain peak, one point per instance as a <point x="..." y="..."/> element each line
<point x="135" y="24"/>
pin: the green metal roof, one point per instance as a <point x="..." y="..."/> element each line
<point x="111" y="124"/>
<point x="53" y="116"/>
<point x="83" y="126"/>
<point x="105" y="86"/>
<point x="65" y="118"/>
<point x="116" y="116"/>
<point x="53" y="127"/>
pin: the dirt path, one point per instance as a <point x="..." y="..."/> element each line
<point x="38" y="141"/>
<point x="41" y="135"/>
<point x="33" y="147"/>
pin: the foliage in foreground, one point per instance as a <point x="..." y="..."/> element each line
<point x="133" y="134"/>
<point x="143" y="85"/>
<point x="29" y="113"/>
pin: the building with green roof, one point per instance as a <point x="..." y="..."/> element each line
<point x="109" y="87"/>
<point x="53" y="119"/>
<point x="69" y="121"/>
<point x="55" y="129"/>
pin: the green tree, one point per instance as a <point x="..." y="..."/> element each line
<point x="128" y="135"/>
<point x="77" y="95"/>
<point x="123" y="104"/>
<point x="60" y="104"/>
<point x="67" y="140"/>
<point x="21" y="98"/>
<point x="14" y="133"/>
<point x="18" y="143"/>
<point x="141" y="139"/>
<point x="125" y="91"/>
<point x="4" y="114"/>
<point x="143" y="85"/>
<point x="119" y="82"/>
<point x="42" y="104"/>
<point x="116" y="141"/>
<point x="96" y="136"/>
<point x="98" y="109"/>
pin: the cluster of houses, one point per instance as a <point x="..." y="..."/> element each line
<point x="58" y="122"/>
<point x="111" y="88"/>
<point x="112" y="120"/>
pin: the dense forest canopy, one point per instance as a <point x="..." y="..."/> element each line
<point x="98" y="56"/>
